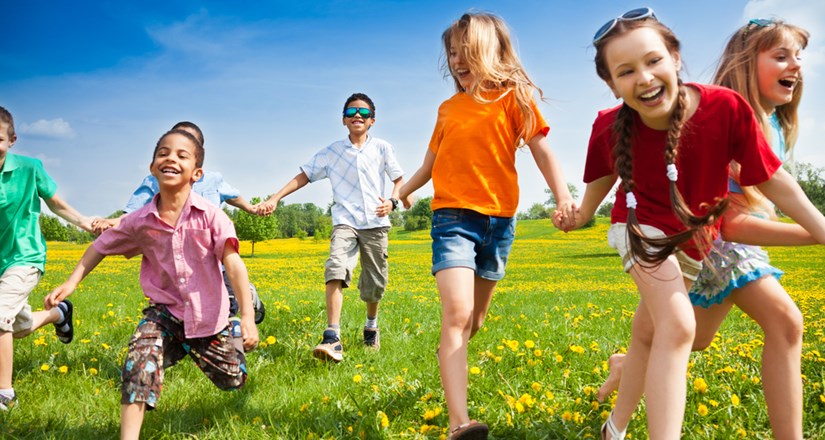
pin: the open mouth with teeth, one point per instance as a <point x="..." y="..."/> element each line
<point x="169" y="171"/>
<point x="787" y="82"/>
<point x="652" y="95"/>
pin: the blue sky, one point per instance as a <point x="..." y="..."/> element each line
<point x="93" y="84"/>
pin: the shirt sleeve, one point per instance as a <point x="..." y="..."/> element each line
<point x="391" y="165"/>
<point x="316" y="168"/>
<point x="599" y="162"/>
<point x="46" y="187"/>
<point x="121" y="240"/>
<point x="223" y="233"/>
<point x="142" y="195"/>
<point x="226" y="190"/>
<point x="540" y="125"/>
<point x="751" y="148"/>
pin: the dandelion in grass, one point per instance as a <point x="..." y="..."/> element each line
<point x="529" y="344"/>
<point x="475" y="370"/>
<point x="63" y="369"/>
<point x="702" y="409"/>
<point x="699" y="385"/>
<point x="384" y="420"/>
<point x="271" y="340"/>
<point x="93" y="371"/>
<point x="44" y="367"/>
<point x="357" y="378"/>
<point x="734" y="400"/>
<point x="536" y="386"/>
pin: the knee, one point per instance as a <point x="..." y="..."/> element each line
<point x="789" y="328"/>
<point x="701" y="342"/>
<point x="679" y="331"/>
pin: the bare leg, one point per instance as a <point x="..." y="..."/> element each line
<point x="335" y="300"/>
<point x="372" y="309"/>
<point x="131" y="419"/>
<point x="39" y="319"/>
<point x="6" y="359"/>
<point x="769" y="305"/>
<point x="483" y="294"/>
<point x="664" y="367"/>
<point x="614" y="375"/>
<point x="457" y="291"/>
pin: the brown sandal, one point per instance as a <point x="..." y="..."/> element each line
<point x="469" y="431"/>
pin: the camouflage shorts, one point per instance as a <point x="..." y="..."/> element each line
<point x="159" y="342"/>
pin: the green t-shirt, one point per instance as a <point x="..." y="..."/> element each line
<point x="23" y="182"/>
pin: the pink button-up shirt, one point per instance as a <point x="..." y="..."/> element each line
<point x="181" y="265"/>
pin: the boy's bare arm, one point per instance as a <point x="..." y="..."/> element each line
<point x="239" y="280"/>
<point x="297" y="182"/>
<point x="419" y="179"/>
<point x="386" y="206"/>
<point x="90" y="259"/>
<point x="241" y="203"/>
<point x="68" y="213"/>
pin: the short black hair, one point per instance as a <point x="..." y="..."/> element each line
<point x="192" y="126"/>
<point x="360" y="97"/>
<point x="199" y="150"/>
<point x="6" y="118"/>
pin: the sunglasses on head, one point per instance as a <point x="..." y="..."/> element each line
<point x="634" y="14"/>
<point x="757" y="22"/>
<point x="350" y="112"/>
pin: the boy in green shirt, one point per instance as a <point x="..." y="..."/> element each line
<point x="23" y="182"/>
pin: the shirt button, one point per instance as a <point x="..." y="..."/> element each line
<point x="182" y="280"/>
<point x="178" y="257"/>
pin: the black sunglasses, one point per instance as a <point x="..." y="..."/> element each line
<point x="365" y="113"/>
<point x="634" y="14"/>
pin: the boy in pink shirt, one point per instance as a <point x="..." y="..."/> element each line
<point x="183" y="239"/>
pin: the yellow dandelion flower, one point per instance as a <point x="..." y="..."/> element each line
<point x="271" y="340"/>
<point x="529" y="344"/>
<point x="44" y="367"/>
<point x="742" y="433"/>
<point x="699" y="385"/>
<point x="559" y="358"/>
<point x="93" y="371"/>
<point x="105" y="346"/>
<point x="702" y="410"/>
<point x="63" y="369"/>
<point x="537" y="353"/>
<point x="734" y="400"/>
<point x="475" y="370"/>
<point x="536" y="386"/>
<point x="357" y="378"/>
<point x="567" y="416"/>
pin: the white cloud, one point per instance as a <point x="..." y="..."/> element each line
<point x="49" y="128"/>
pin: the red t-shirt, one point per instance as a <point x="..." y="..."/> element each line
<point x="722" y="129"/>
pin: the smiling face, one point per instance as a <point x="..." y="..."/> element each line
<point x="458" y="64"/>
<point x="357" y="125"/>
<point x="644" y="74"/>
<point x="175" y="161"/>
<point x="778" y="72"/>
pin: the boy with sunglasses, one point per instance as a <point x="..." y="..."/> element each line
<point x="355" y="167"/>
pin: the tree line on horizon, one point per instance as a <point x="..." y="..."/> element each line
<point x="302" y="220"/>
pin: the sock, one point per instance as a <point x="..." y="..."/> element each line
<point x="8" y="393"/>
<point x="61" y="323"/>
<point x="336" y="328"/>
<point x="371" y="322"/>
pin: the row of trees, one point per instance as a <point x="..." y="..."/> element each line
<point x="308" y="220"/>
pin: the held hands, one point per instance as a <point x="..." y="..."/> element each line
<point x="99" y="225"/>
<point x="565" y="216"/>
<point x="265" y="208"/>
<point x="385" y="208"/>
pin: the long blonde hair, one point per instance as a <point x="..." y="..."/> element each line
<point x="738" y="70"/>
<point x="488" y="51"/>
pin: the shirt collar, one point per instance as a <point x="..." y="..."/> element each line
<point x="12" y="162"/>
<point x="348" y="142"/>
<point x="194" y="201"/>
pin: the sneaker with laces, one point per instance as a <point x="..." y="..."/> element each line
<point x="257" y="304"/>
<point x="330" y="348"/>
<point x="65" y="330"/>
<point x="7" y="403"/>
<point x="372" y="338"/>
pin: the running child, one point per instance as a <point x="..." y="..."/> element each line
<point x="23" y="252"/>
<point x="761" y="62"/>
<point x="662" y="223"/>
<point x="471" y="160"/>
<point x="183" y="239"/>
<point x="355" y="167"/>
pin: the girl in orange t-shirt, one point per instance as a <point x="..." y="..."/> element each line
<point x="471" y="160"/>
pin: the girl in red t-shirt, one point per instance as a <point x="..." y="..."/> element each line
<point x="662" y="223"/>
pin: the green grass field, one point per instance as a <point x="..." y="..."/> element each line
<point x="563" y="308"/>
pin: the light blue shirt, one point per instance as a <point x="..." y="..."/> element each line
<point x="778" y="144"/>
<point x="357" y="178"/>
<point x="211" y="187"/>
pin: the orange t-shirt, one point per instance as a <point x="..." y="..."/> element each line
<point x="475" y="154"/>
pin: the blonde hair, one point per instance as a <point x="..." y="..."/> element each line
<point x="647" y="249"/>
<point x="738" y="70"/>
<point x="485" y="44"/>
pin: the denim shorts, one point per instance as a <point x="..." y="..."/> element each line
<point x="465" y="238"/>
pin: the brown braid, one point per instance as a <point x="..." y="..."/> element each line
<point x="655" y="250"/>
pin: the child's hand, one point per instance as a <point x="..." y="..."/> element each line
<point x="57" y="295"/>
<point x="86" y="223"/>
<point x="99" y="225"/>
<point x="407" y="201"/>
<point x="250" y="334"/>
<point x="566" y="213"/>
<point x="265" y="208"/>
<point x="384" y="208"/>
